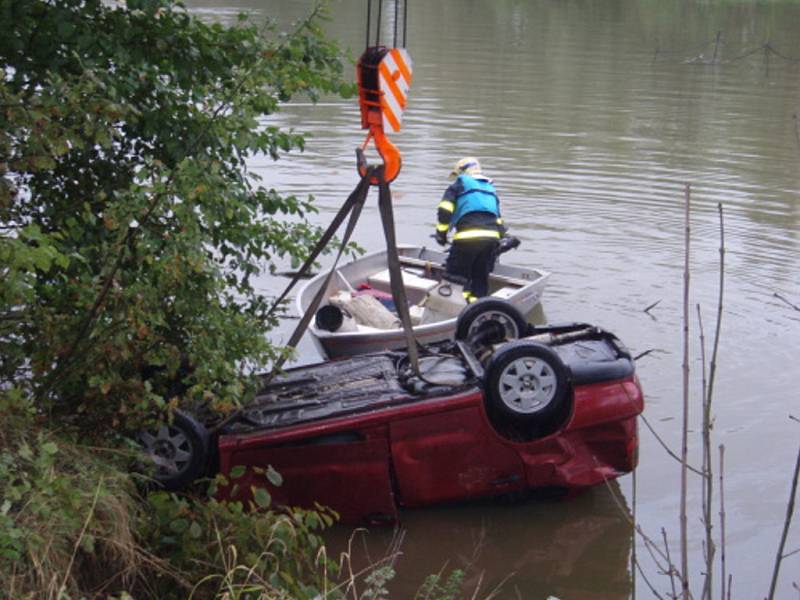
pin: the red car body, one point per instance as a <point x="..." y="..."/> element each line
<point x="366" y="445"/>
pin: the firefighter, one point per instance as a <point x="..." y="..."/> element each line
<point x="470" y="207"/>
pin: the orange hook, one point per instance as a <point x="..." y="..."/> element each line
<point x="387" y="151"/>
<point x="380" y="107"/>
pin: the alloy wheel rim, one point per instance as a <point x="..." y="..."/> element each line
<point x="169" y="450"/>
<point x="527" y="385"/>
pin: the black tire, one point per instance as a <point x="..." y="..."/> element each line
<point x="527" y="382"/>
<point x="498" y="319"/>
<point x="177" y="453"/>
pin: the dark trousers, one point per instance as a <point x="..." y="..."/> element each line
<point x="469" y="262"/>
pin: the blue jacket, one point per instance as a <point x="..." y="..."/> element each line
<point x="468" y="196"/>
<point x="473" y="195"/>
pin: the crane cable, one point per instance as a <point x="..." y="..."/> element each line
<point x="396" y="20"/>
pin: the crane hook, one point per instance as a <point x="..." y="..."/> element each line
<point x="384" y="78"/>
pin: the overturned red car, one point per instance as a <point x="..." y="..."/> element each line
<point x="508" y="407"/>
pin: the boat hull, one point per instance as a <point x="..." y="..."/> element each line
<point x="524" y="291"/>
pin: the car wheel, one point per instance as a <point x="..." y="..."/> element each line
<point x="526" y="381"/>
<point x="497" y="319"/>
<point x="177" y="452"/>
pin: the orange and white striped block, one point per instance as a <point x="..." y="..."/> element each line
<point x="395" y="81"/>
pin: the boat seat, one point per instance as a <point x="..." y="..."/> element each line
<point x="504" y="293"/>
<point x="416" y="286"/>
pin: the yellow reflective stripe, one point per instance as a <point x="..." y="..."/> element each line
<point x="476" y="233"/>
<point x="442" y="227"/>
<point x="446" y="205"/>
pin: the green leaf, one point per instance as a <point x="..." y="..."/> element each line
<point x="50" y="448"/>
<point x="88" y="543"/>
<point x="237" y="471"/>
<point x="274" y="477"/>
<point x="179" y="525"/>
<point x="43" y="163"/>
<point x="262" y="497"/>
<point x="195" y="531"/>
<point x="11" y="554"/>
<point x="25" y="451"/>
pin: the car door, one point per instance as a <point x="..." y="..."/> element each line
<point x="346" y="470"/>
<point x="451" y="452"/>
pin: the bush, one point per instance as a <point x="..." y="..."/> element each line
<point x="130" y="229"/>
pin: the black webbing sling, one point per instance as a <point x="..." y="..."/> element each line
<point x="353" y="205"/>
<point x="395" y="272"/>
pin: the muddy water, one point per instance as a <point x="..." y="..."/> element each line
<point x="592" y="117"/>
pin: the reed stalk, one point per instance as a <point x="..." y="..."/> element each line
<point x="708" y="393"/>
<point x="684" y="533"/>
<point x="707" y="483"/>
<point x="787" y="523"/>
<point x="656" y="553"/>
<point x="666" y="448"/>
<point x="670" y="564"/>
<point x="722" y="556"/>
<point x="634" y="559"/>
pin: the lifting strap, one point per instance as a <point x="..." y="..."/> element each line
<point x="395" y="271"/>
<point x="358" y="195"/>
<point x="352" y="207"/>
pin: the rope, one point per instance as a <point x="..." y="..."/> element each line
<point x="396" y="25"/>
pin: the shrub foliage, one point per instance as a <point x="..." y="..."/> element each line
<point x="130" y="235"/>
<point x="130" y="228"/>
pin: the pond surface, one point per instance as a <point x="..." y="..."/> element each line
<point x="592" y="117"/>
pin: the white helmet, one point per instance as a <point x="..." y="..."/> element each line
<point x="468" y="165"/>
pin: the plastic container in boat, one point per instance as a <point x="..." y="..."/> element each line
<point x="444" y="301"/>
